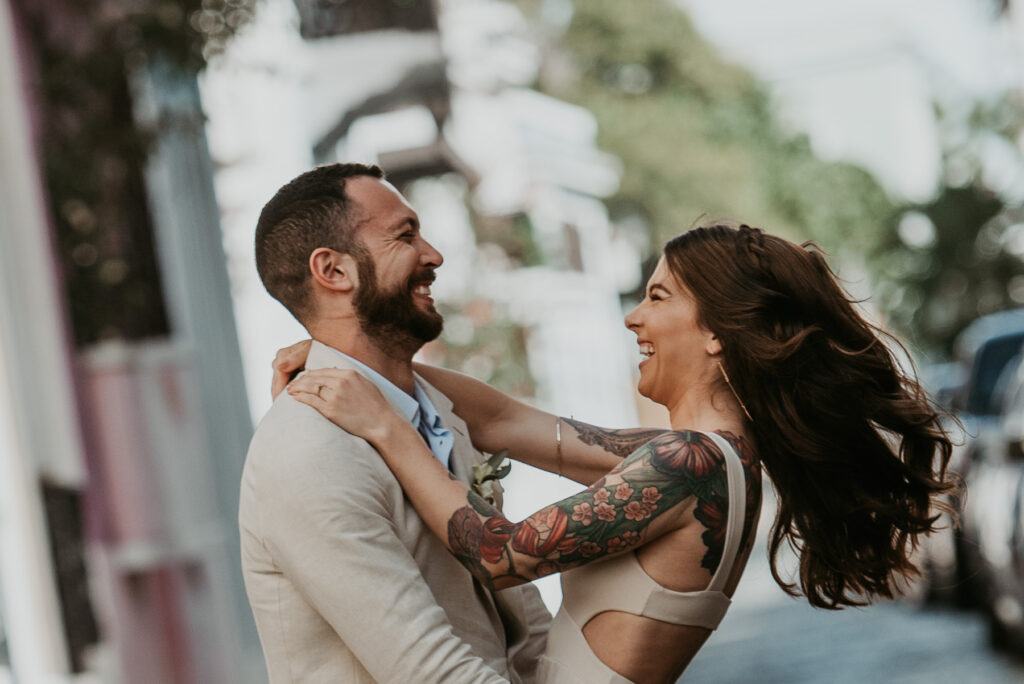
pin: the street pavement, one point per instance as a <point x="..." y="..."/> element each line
<point x="771" y="638"/>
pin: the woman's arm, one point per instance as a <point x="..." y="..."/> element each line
<point x="644" y="497"/>
<point x="497" y="421"/>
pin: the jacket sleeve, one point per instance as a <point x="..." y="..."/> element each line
<point x="528" y="640"/>
<point x="329" y="523"/>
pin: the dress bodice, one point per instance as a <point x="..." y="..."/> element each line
<point x="621" y="584"/>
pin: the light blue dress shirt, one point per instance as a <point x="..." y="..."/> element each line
<point x="418" y="409"/>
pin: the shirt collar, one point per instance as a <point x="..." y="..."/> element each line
<point x="409" y="406"/>
<point x="430" y="415"/>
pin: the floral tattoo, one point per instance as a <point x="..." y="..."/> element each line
<point x="615" y="514"/>
<point x="622" y="443"/>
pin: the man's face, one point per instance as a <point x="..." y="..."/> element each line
<point x="393" y="301"/>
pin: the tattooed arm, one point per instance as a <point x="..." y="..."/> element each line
<point x="645" y="496"/>
<point x="497" y="421"/>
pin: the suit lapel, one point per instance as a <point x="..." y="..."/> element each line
<point x="464" y="456"/>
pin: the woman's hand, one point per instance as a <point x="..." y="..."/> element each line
<point x="288" y="362"/>
<point x="348" y="400"/>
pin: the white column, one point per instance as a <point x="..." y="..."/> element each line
<point x="39" y="431"/>
<point x="179" y="178"/>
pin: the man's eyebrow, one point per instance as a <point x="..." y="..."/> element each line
<point x="407" y="222"/>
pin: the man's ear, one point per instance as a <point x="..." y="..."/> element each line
<point x="333" y="270"/>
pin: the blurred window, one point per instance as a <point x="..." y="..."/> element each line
<point x="326" y="18"/>
<point x="989" y="362"/>
<point x="1006" y="387"/>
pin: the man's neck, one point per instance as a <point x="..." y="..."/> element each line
<point x="394" y="365"/>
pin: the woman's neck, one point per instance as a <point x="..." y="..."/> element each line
<point x="706" y="411"/>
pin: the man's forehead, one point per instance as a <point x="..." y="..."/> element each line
<point x="370" y="187"/>
<point x="375" y="198"/>
<point x="376" y="195"/>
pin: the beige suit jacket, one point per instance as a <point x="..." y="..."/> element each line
<point x="347" y="583"/>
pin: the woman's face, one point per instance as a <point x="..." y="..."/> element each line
<point x="677" y="350"/>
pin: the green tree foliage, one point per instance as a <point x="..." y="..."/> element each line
<point x="696" y="134"/>
<point x="93" y="155"/>
<point x="970" y="264"/>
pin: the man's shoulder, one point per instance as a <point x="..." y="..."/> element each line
<point x="291" y="422"/>
<point x="285" y="411"/>
<point x="294" y="441"/>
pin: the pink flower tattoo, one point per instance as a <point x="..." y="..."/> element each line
<point x="583" y="513"/>
<point x="635" y="510"/>
<point x="623" y="491"/>
<point x="605" y="512"/>
<point x="650" y="495"/>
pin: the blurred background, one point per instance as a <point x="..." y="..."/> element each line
<point x="550" y="148"/>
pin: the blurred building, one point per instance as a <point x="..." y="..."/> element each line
<point x="121" y="444"/>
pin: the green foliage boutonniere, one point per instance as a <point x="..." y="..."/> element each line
<point x="490" y="471"/>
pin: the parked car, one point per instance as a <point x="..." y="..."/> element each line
<point x="953" y="567"/>
<point x="994" y="517"/>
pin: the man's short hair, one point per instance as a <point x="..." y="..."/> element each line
<point x="310" y="212"/>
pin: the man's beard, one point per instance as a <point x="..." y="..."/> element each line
<point x="391" y="318"/>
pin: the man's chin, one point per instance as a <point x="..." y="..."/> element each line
<point x="429" y="319"/>
<point x="431" y="329"/>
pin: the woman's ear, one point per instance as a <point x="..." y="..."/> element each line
<point x="333" y="270"/>
<point x="714" y="346"/>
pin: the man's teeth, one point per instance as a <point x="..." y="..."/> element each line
<point x="422" y="290"/>
<point x="647" y="349"/>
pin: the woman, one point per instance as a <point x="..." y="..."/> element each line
<point x="753" y="347"/>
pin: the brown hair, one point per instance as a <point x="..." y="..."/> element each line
<point x="311" y="211"/>
<point x="850" y="440"/>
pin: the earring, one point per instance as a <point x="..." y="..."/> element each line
<point x="733" y="390"/>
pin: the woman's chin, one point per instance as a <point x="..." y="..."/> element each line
<point x="644" y="390"/>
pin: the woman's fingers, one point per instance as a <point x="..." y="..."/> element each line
<point x="345" y="398"/>
<point x="310" y="399"/>
<point x="342" y="385"/>
<point x="312" y="382"/>
<point x="278" y="382"/>
<point x="288" y="362"/>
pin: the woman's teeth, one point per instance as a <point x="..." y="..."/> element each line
<point x="647" y="350"/>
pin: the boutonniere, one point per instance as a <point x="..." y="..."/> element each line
<point x="490" y="471"/>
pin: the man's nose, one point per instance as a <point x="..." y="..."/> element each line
<point x="430" y="256"/>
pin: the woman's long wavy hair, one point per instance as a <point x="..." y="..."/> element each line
<point x="851" y="442"/>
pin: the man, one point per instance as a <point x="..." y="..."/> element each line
<point x="346" y="582"/>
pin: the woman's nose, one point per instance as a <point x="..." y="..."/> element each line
<point x="632" y="319"/>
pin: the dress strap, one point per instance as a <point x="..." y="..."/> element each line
<point x="737" y="487"/>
